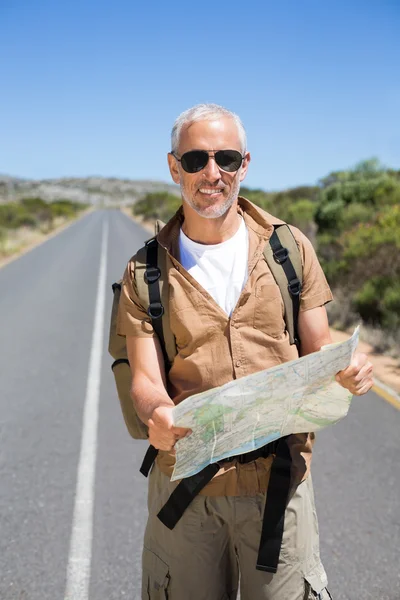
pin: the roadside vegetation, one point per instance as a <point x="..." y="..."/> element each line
<point x="156" y="205"/>
<point x="352" y="218"/>
<point x="30" y="219"/>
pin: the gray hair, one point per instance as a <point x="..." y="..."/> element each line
<point x="205" y="112"/>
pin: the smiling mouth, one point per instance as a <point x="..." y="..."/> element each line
<point x="210" y="191"/>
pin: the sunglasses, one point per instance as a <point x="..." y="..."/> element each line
<point x="195" y="160"/>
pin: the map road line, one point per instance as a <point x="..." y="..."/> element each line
<point x="80" y="551"/>
<point x="386" y="393"/>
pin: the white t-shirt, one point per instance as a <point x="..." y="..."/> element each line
<point x="221" y="269"/>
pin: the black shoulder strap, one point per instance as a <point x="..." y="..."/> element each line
<point x="274" y="510"/>
<point x="281" y="256"/>
<point x="155" y="310"/>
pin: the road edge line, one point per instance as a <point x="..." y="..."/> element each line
<point x="385" y="392"/>
<point x="80" y="550"/>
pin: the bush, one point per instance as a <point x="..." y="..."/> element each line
<point x="13" y="215"/>
<point x="157" y="205"/>
<point x="34" y="212"/>
<point x="330" y="215"/>
<point x="356" y="213"/>
<point x="39" y="209"/>
<point x="63" y="208"/>
<point x="378" y="302"/>
<point x="301" y="213"/>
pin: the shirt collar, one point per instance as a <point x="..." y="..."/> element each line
<point x="255" y="218"/>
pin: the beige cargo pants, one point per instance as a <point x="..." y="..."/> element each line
<point x="215" y="544"/>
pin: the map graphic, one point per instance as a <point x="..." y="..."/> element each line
<point x="296" y="397"/>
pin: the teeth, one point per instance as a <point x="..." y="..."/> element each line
<point x="208" y="191"/>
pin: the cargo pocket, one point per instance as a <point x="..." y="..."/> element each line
<point x="269" y="310"/>
<point x="310" y="594"/>
<point x="155" y="577"/>
<point x="315" y="584"/>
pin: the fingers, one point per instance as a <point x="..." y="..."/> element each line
<point x="364" y="386"/>
<point x="181" y="432"/>
<point x="357" y="384"/>
<point x="357" y="378"/>
<point x="364" y="373"/>
<point x="164" y="436"/>
<point x="364" y="389"/>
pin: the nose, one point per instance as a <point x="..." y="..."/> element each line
<point x="211" y="170"/>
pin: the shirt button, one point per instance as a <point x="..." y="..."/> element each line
<point x="238" y="363"/>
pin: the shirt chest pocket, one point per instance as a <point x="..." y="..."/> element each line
<point x="269" y="310"/>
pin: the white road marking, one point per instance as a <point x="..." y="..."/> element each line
<point x="80" y="551"/>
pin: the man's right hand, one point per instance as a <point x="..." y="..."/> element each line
<point x="162" y="433"/>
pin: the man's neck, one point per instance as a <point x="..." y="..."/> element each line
<point x="210" y="231"/>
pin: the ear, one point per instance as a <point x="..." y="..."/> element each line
<point x="173" y="168"/>
<point x="245" y="166"/>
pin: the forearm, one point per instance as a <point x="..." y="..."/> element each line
<point x="313" y="345"/>
<point x="146" y="397"/>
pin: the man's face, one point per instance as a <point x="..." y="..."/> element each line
<point x="211" y="191"/>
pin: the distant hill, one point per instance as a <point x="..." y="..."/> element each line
<point x="98" y="191"/>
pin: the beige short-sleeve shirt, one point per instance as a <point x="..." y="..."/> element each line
<point x="213" y="348"/>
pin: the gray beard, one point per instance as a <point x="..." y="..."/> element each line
<point x="220" y="210"/>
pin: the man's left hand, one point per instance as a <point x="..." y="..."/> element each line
<point x="357" y="378"/>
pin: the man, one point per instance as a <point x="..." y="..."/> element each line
<point x="226" y="313"/>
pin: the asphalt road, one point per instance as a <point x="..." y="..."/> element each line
<point x="47" y="312"/>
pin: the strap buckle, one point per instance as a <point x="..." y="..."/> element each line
<point x="155" y="310"/>
<point x="281" y="255"/>
<point x="151" y="275"/>
<point x="294" y="287"/>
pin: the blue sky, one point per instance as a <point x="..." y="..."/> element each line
<point x="93" y="87"/>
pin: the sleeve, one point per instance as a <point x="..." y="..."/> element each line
<point x="132" y="319"/>
<point x="316" y="291"/>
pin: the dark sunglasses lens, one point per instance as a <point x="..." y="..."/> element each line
<point x="194" y="161"/>
<point x="228" y="160"/>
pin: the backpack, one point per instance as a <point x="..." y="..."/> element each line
<point x="283" y="257"/>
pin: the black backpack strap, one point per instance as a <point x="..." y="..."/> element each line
<point x="281" y="257"/>
<point x="183" y="495"/>
<point x="148" y="460"/>
<point x="274" y="511"/>
<point x="189" y="487"/>
<point x="155" y="309"/>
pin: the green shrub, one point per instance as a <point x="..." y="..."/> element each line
<point x="301" y="213"/>
<point x="365" y="240"/>
<point x="391" y="305"/>
<point x="157" y="205"/>
<point x="356" y="213"/>
<point x="38" y="208"/>
<point x="367" y="300"/>
<point x="63" y="209"/>
<point x="13" y="215"/>
<point x="329" y="215"/>
<point x="378" y="302"/>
